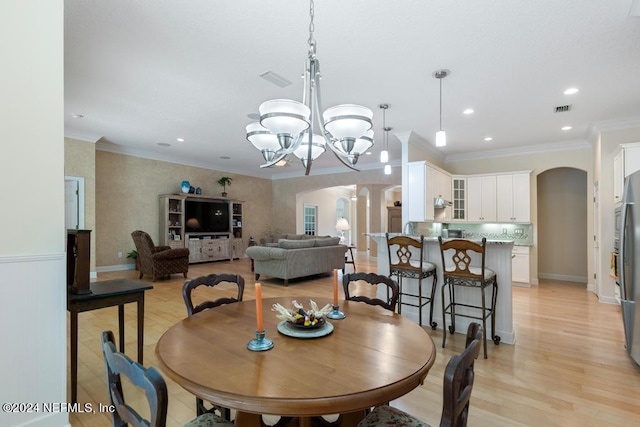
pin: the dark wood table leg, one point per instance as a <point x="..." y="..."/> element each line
<point x="74" y="356"/>
<point x="121" y="326"/>
<point x="140" y="327"/>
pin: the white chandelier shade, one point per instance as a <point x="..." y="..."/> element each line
<point x="347" y="121"/>
<point x="317" y="147"/>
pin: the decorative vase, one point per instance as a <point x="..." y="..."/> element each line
<point x="185" y="186"/>
<point x="198" y="190"/>
<point x="192" y="189"/>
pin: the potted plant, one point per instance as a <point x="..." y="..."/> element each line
<point x="134" y="254"/>
<point x="224" y="181"/>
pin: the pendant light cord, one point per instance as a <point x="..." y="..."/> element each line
<point x="440" y="103"/>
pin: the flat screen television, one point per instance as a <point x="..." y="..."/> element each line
<point x="207" y="216"/>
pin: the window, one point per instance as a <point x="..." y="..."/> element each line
<point x="310" y="220"/>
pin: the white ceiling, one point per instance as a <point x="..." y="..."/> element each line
<point x="150" y="71"/>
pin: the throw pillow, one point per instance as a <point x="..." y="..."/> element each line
<point x="327" y="241"/>
<point x="295" y="244"/>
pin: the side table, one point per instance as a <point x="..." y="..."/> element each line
<point x="105" y="294"/>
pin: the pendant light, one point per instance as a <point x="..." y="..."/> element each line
<point x="441" y="136"/>
<point x="384" y="154"/>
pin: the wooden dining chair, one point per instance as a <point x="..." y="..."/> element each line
<point x="457" y="386"/>
<point x="211" y="281"/>
<point x="350" y="281"/>
<point x="151" y="382"/>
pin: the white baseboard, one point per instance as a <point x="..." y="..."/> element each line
<point x="563" y="277"/>
<point x="117" y="267"/>
<point x="608" y="300"/>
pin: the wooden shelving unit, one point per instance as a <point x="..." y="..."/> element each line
<point x="203" y="247"/>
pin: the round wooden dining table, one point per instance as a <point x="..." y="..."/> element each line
<point x="372" y="356"/>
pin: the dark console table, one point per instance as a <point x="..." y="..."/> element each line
<point x="105" y="294"/>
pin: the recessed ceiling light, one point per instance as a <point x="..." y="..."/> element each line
<point x="566" y="127"/>
<point x="164" y="144"/>
<point x="488" y="138"/>
<point x="368" y="153"/>
<point x="77" y="116"/>
<point x="225" y="157"/>
<point x="180" y="139"/>
<point x="468" y="111"/>
<point x="571" y="91"/>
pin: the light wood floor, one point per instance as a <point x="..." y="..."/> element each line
<point x="568" y="367"/>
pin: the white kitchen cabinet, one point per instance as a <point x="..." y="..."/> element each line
<point x="431" y="186"/>
<point x="481" y="198"/>
<point x="626" y="162"/>
<point x="443" y="187"/>
<point x="424" y="183"/>
<point x="520" y="265"/>
<point x="459" y="199"/>
<point x="513" y="197"/>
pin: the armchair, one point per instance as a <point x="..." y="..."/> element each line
<point x="159" y="260"/>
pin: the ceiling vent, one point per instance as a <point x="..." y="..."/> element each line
<point x="563" y="108"/>
<point x="276" y="79"/>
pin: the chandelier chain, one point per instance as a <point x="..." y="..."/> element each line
<point x="311" y="41"/>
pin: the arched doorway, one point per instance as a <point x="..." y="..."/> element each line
<point x="562" y="225"/>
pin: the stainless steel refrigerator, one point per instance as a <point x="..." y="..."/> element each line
<point x="629" y="268"/>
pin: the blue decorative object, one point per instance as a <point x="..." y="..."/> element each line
<point x="192" y="189"/>
<point x="198" y="190"/>
<point x="185" y="186"/>
<point x="336" y="313"/>
<point x="260" y="343"/>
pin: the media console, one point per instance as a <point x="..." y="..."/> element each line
<point x="211" y="227"/>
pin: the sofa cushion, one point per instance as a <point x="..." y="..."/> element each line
<point x="295" y="244"/>
<point x="327" y="241"/>
<point x="292" y="237"/>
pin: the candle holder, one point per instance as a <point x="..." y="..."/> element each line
<point x="260" y="343"/>
<point x="336" y="313"/>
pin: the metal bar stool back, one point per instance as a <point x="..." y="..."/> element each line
<point x="406" y="260"/>
<point x="458" y="270"/>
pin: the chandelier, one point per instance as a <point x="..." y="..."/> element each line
<point x="295" y="128"/>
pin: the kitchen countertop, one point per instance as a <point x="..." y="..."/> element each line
<point x="435" y="239"/>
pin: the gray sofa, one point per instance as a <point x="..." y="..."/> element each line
<point x="296" y="255"/>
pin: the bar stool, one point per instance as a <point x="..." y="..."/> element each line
<point x="405" y="264"/>
<point x="459" y="272"/>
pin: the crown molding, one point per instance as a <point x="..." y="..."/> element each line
<point x="119" y="149"/>
<point x="82" y="136"/>
<point x="520" y="151"/>
<point x="617" y="124"/>
<point x="335" y="170"/>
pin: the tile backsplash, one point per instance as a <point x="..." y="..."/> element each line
<point x="520" y="233"/>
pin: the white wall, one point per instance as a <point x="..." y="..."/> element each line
<point x="326" y="201"/>
<point x="32" y="261"/>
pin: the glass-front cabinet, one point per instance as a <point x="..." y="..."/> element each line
<point x="459" y="197"/>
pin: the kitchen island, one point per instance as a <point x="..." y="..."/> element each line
<point x="498" y="259"/>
